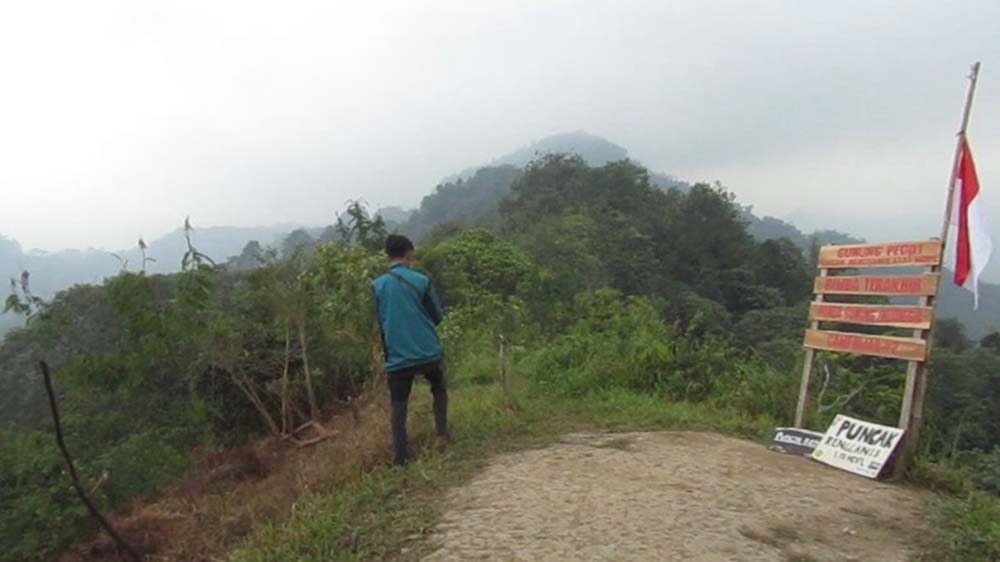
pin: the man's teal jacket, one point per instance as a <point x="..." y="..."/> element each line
<point x="408" y="311"/>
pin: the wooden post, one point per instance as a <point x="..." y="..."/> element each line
<point x="914" y="396"/>
<point x="911" y="414"/>
<point x="800" y="408"/>
<point x="505" y="373"/>
<point x="912" y="369"/>
<point x="915" y="370"/>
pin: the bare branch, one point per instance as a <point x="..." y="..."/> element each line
<point x="71" y="468"/>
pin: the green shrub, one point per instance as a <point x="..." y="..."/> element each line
<point x="754" y="388"/>
<point x="939" y="477"/>
<point x="138" y="466"/>
<point x="616" y="342"/>
<point x="986" y="471"/>
<point x="968" y="529"/>
<point x="40" y="512"/>
<point x="620" y="342"/>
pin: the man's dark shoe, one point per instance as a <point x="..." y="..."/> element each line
<point x="441" y="443"/>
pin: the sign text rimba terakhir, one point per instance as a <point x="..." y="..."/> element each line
<point x="899" y="285"/>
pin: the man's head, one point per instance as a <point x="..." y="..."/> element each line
<point x="399" y="248"/>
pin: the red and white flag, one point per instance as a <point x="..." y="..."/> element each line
<point x="968" y="217"/>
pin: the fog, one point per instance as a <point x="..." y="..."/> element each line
<point x="117" y="119"/>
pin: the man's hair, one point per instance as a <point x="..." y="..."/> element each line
<point x="397" y="245"/>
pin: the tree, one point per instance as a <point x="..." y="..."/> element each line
<point x="476" y="262"/>
<point x="598" y="224"/>
<point x="291" y="300"/>
<point x="763" y="325"/>
<point x="253" y="256"/>
<point x="963" y="398"/>
<point x="298" y="240"/>
<point x="949" y="334"/>
<point x="467" y="202"/>
<point x="709" y="236"/>
<point x="781" y="265"/>
<point x="361" y="228"/>
<point x="991" y="341"/>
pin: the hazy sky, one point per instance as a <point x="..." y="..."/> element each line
<point x="117" y="119"/>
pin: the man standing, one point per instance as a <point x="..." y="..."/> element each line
<point x="408" y="311"/>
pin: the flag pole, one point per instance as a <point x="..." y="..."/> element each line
<point x="973" y="78"/>
<point x="915" y="392"/>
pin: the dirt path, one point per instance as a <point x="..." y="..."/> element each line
<point x="674" y="496"/>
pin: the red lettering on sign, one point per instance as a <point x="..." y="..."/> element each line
<point x="883" y="346"/>
<point x="892" y="284"/>
<point x="903" y="249"/>
<point x="843" y="283"/>
<point x="878" y="284"/>
<point x="862" y="344"/>
<point x="924" y="252"/>
<point x="879" y="315"/>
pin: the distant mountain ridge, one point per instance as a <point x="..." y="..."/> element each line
<point x="468" y="197"/>
<point x="54" y="271"/>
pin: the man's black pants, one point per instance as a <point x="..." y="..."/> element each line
<point x="400" y="385"/>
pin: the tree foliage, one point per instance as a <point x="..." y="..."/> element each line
<point x="591" y="279"/>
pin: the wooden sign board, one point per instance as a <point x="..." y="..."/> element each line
<point x="902" y="285"/>
<point x="911" y="349"/>
<point x="916" y="317"/>
<point x="889" y="254"/>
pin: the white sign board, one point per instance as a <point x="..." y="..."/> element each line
<point x="857" y="446"/>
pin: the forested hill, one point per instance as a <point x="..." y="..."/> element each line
<point x="476" y="201"/>
<point x="606" y="285"/>
<point x="471" y="197"/>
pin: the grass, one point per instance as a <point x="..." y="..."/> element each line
<point x="967" y="529"/>
<point x="621" y="410"/>
<point x="388" y="513"/>
<point x="375" y="512"/>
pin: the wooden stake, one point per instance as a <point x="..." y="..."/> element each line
<point x="800" y="408"/>
<point x="505" y="373"/>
